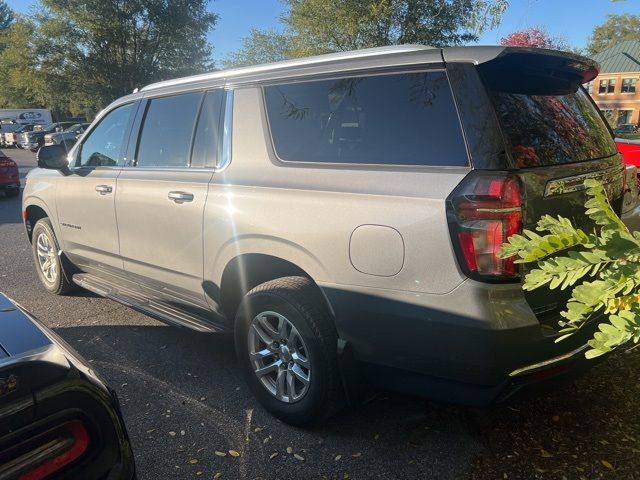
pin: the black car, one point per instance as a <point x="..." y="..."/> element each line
<point x="58" y="419"/>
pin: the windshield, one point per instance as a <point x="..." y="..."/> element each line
<point x="73" y="128"/>
<point x="552" y="129"/>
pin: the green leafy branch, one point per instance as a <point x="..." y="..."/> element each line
<point x="603" y="269"/>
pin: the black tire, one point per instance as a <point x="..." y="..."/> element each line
<point x="299" y="300"/>
<point x="61" y="284"/>
<point x="12" y="192"/>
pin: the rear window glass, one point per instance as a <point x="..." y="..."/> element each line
<point x="400" y="119"/>
<point x="552" y="129"/>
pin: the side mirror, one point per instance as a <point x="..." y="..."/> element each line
<point x="53" y="157"/>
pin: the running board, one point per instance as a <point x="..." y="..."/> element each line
<point x="137" y="301"/>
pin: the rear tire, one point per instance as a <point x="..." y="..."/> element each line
<point x="302" y="386"/>
<point x="48" y="259"/>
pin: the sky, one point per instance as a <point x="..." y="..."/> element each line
<point x="572" y="19"/>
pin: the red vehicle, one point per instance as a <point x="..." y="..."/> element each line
<point x="630" y="151"/>
<point x="9" y="177"/>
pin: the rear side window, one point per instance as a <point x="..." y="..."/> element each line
<point x="552" y="129"/>
<point x="165" y="139"/>
<point x="399" y="119"/>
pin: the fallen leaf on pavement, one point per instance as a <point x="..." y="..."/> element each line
<point x="607" y="464"/>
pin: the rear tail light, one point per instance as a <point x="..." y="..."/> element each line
<point x="483" y="212"/>
<point x="47" y="454"/>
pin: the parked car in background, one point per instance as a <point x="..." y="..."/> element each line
<point x="35" y="139"/>
<point x="341" y="214"/>
<point x="59" y="418"/>
<point x="630" y="151"/>
<point x="12" y="139"/>
<point x="9" y="177"/>
<point x="7" y="125"/>
<point x="68" y="136"/>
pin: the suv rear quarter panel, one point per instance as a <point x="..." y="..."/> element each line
<point x="307" y="213"/>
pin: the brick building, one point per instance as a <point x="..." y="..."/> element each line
<point x="616" y="90"/>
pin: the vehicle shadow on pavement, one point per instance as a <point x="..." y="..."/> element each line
<point x="11" y="209"/>
<point x="172" y="380"/>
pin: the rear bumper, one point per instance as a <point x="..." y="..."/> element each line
<point x="476" y="345"/>
<point x="51" y="385"/>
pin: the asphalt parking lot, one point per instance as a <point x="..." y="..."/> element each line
<point x="186" y="406"/>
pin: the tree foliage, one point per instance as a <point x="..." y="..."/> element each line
<point x="261" y="46"/>
<point x="615" y="29"/>
<point x="322" y="26"/>
<point x="602" y="268"/>
<point x="79" y="55"/>
<point x="535" y="37"/>
<point x="6" y="16"/>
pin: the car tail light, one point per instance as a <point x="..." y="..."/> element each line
<point x="7" y="163"/>
<point x="48" y="453"/>
<point x="483" y="212"/>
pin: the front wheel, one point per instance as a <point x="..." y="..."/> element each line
<point x="286" y="344"/>
<point x="48" y="259"/>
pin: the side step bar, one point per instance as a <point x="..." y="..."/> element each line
<point x="153" y="308"/>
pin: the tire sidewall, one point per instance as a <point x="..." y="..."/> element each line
<point x="311" y="404"/>
<point x="44" y="226"/>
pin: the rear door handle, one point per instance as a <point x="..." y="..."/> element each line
<point x="104" y="189"/>
<point x="181" y="197"/>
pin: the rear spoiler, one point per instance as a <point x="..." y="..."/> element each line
<point x="527" y="70"/>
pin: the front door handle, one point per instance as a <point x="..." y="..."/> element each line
<point x="181" y="197"/>
<point x="104" y="189"/>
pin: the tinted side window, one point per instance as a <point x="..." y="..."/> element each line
<point x="165" y="140"/>
<point x="401" y="119"/>
<point x="206" y="143"/>
<point x="103" y="146"/>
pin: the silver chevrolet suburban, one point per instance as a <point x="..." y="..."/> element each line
<point x="341" y="214"/>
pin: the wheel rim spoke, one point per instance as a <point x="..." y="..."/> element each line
<point x="272" y="367"/>
<point x="299" y="374"/>
<point x="281" y="384"/>
<point x="262" y="354"/>
<point x="300" y="359"/>
<point x="262" y="334"/>
<point x="291" y="385"/>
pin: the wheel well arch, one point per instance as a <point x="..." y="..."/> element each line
<point x="248" y="270"/>
<point x="33" y="213"/>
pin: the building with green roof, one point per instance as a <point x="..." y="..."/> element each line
<point x="616" y="90"/>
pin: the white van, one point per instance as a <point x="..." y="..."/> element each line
<point x="25" y="115"/>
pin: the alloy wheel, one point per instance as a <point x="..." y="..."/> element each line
<point x="47" y="257"/>
<point x="279" y="356"/>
